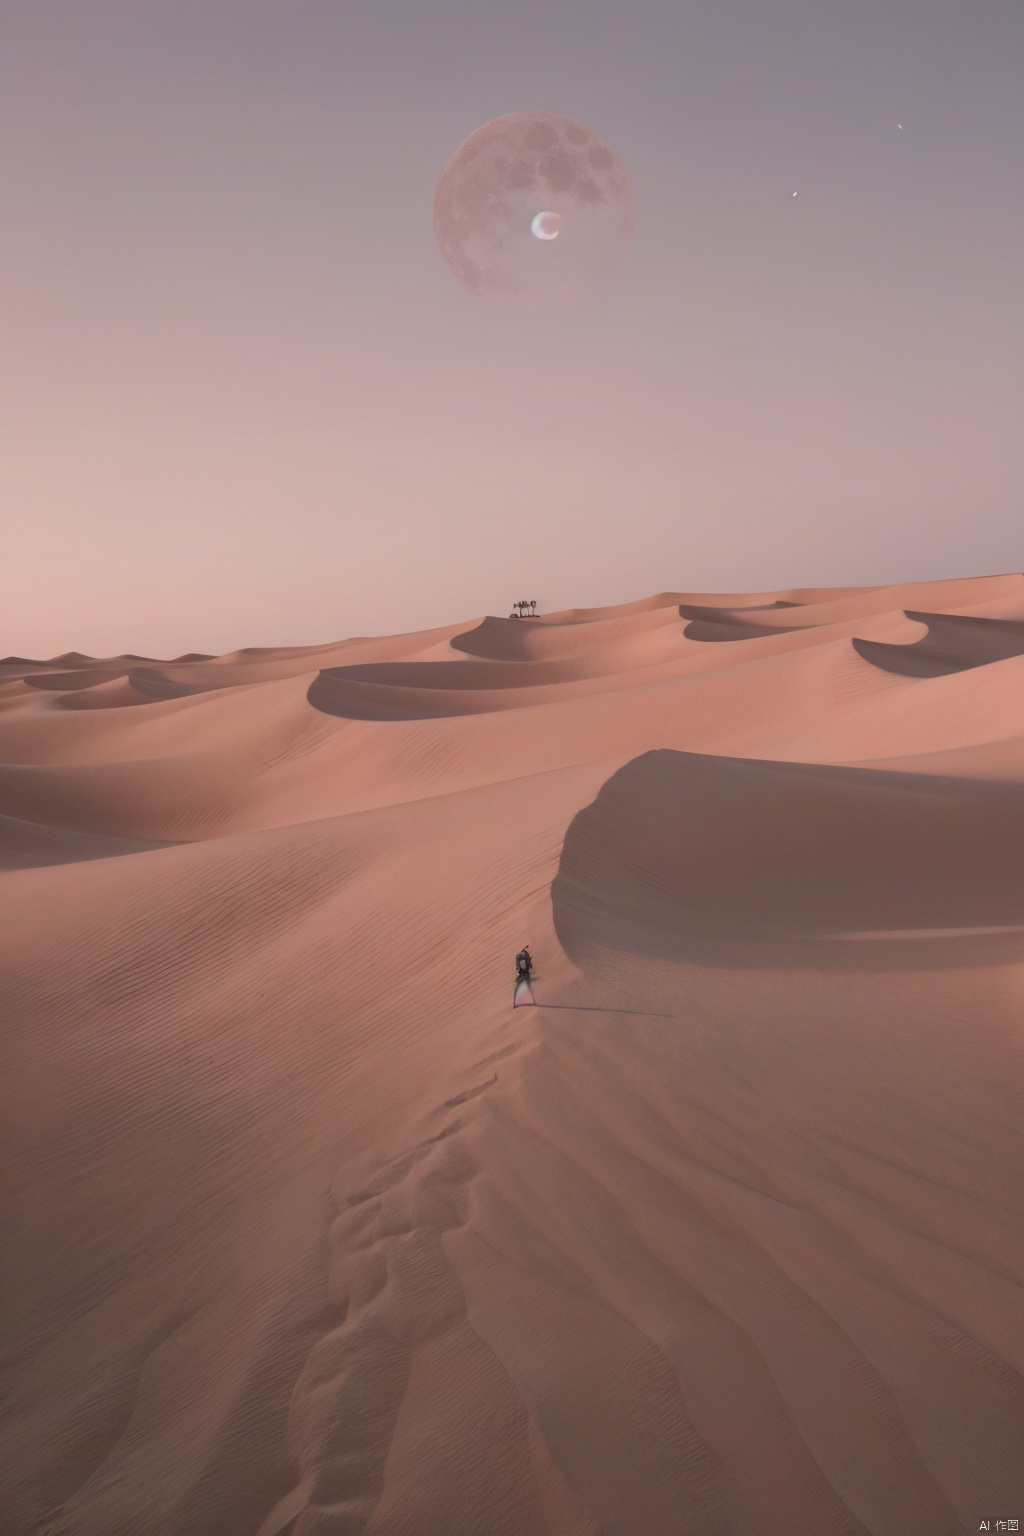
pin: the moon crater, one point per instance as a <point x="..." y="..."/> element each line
<point x="512" y="173"/>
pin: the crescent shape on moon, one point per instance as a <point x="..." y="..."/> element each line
<point x="510" y="188"/>
<point x="541" y="226"/>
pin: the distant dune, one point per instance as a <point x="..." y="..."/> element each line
<point x="308" y="1232"/>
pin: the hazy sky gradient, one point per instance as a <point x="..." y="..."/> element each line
<point x="245" y="402"/>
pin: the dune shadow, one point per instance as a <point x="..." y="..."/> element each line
<point x="427" y="690"/>
<point x="729" y="624"/>
<point x="496" y="639"/>
<point x="954" y="643"/>
<point x="764" y="865"/>
<point x="35" y="845"/>
<point x="641" y="1013"/>
<point x="73" y="682"/>
<point x="153" y="685"/>
<point x="106" y="686"/>
<point x="334" y="692"/>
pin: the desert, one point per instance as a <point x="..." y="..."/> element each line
<point x="310" y="1232"/>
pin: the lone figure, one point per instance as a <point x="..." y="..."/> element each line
<point x="524" y="962"/>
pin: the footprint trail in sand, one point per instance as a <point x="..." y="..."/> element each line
<point x="312" y="1233"/>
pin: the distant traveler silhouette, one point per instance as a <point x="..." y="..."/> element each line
<point x="524" y="962"/>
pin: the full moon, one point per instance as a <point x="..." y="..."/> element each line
<point x="534" y="212"/>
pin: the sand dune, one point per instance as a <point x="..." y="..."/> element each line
<point x="953" y="643"/>
<point x="310" y="1233"/>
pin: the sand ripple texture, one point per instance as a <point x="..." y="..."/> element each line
<point x="308" y="1233"/>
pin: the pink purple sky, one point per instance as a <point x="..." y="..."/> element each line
<point x="245" y="402"/>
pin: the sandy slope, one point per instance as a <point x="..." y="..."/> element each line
<point x="309" y="1233"/>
